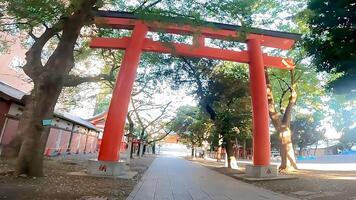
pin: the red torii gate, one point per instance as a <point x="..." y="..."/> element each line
<point x="134" y="45"/>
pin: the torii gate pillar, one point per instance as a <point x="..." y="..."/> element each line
<point x="115" y="121"/>
<point x="108" y="163"/>
<point x="260" y="117"/>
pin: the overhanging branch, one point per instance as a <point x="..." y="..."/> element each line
<point x="74" y="80"/>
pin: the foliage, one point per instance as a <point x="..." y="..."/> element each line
<point x="343" y="113"/>
<point x="192" y="126"/>
<point x="332" y="38"/>
<point x="348" y="139"/>
<point x="231" y="104"/>
<point x="306" y="131"/>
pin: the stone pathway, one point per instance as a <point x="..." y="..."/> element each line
<point x="173" y="178"/>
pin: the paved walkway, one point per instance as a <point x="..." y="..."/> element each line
<point x="173" y="178"/>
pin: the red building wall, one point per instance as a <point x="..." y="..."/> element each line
<point x="9" y="131"/>
<point x="74" y="147"/>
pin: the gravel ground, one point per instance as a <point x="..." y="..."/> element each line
<point x="310" y="185"/>
<point x="59" y="185"/>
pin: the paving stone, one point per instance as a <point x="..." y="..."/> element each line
<point x="173" y="178"/>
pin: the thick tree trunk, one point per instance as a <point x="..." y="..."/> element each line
<point x="288" y="161"/>
<point x="231" y="160"/>
<point x="49" y="80"/>
<point x="34" y="135"/>
<point x="281" y="122"/>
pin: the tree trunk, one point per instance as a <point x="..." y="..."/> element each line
<point x="129" y="150"/>
<point x="49" y="80"/>
<point x="281" y="123"/>
<point x="193" y="152"/>
<point x="154" y="148"/>
<point x="132" y="150"/>
<point x="144" y="149"/>
<point x="34" y="135"/>
<point x="288" y="161"/>
<point x="244" y="150"/>
<point x="316" y="147"/>
<point x="231" y="160"/>
<point x="138" y="149"/>
<point x="141" y="150"/>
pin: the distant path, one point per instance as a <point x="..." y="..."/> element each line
<point x="173" y="178"/>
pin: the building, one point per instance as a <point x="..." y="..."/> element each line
<point x="99" y="122"/>
<point x="171" y="139"/>
<point x="68" y="133"/>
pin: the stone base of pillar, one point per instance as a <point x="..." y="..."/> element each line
<point x="261" y="171"/>
<point x="118" y="169"/>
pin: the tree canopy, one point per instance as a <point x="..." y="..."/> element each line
<point x="331" y="40"/>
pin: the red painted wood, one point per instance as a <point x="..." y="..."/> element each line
<point x="268" y="41"/>
<point x="191" y="51"/>
<point x="9" y="131"/>
<point x="115" y="122"/>
<point x="260" y="115"/>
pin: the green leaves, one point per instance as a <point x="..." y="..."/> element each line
<point x="332" y="39"/>
<point x="307" y="130"/>
<point x="191" y="125"/>
<point x="32" y="13"/>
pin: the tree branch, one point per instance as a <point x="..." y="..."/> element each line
<point x="33" y="67"/>
<point x="292" y="100"/>
<point x="74" y="80"/>
<point x="274" y="115"/>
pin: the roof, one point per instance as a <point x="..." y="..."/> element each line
<point x="75" y="119"/>
<point x="231" y="27"/>
<point x="98" y="117"/>
<point x="10" y="93"/>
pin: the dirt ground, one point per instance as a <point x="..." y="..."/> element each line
<point x="309" y="184"/>
<point x="59" y="185"/>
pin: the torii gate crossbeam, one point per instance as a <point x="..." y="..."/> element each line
<point x="137" y="43"/>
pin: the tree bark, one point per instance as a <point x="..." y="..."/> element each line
<point x="288" y="161"/>
<point x="154" y="148"/>
<point x="34" y="135"/>
<point x="144" y="149"/>
<point x="231" y="159"/>
<point x="193" y="152"/>
<point x="282" y="125"/>
<point x="132" y="150"/>
<point x="244" y="150"/>
<point x="49" y="80"/>
<point x="138" y="149"/>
